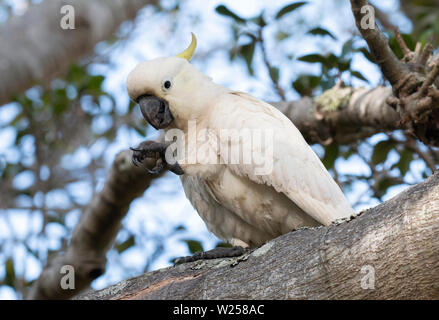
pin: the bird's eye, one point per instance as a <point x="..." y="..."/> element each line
<point x="167" y="84"/>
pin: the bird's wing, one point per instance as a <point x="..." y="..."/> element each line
<point x="291" y="166"/>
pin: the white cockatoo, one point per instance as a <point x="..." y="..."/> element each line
<point x="241" y="202"/>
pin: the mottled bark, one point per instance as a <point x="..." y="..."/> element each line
<point x="35" y="48"/>
<point x="388" y="252"/>
<point x="96" y="230"/>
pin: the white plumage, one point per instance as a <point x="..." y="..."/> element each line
<point x="237" y="204"/>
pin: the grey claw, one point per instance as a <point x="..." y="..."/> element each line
<point x="175" y="168"/>
<point x="149" y="151"/>
<point x="157" y="169"/>
<point x="134" y="160"/>
<point x="154" y="171"/>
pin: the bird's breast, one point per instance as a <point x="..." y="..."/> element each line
<point x="257" y="204"/>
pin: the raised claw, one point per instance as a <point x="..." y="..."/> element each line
<point x="136" y="158"/>
<point x="155" y="150"/>
<point x="157" y="169"/>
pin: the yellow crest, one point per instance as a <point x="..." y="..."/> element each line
<point x="187" y="54"/>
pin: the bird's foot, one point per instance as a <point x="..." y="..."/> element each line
<point x="216" y="253"/>
<point x="155" y="150"/>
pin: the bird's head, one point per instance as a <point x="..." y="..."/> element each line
<point x="168" y="88"/>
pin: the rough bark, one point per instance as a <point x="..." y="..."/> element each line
<point x="96" y="230"/>
<point x="35" y="48"/>
<point x="318" y="263"/>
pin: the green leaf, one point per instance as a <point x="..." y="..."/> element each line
<point x="305" y="84"/>
<point x="381" y="150"/>
<point x="23" y="100"/>
<point x="223" y="10"/>
<point x="194" y="245"/>
<point x="383" y="184"/>
<point x="76" y="73"/>
<point x="275" y="73"/>
<point x="35" y="253"/>
<point x="16" y="119"/>
<point x="10" y="273"/>
<point x="223" y="245"/>
<point x="179" y="228"/>
<point x="347" y="153"/>
<point x="359" y="75"/>
<point x="343" y="64"/>
<point x="347" y="48"/>
<point x="55" y="218"/>
<point x="95" y="82"/>
<point x="321" y="32"/>
<point x="332" y="61"/>
<point x="393" y="43"/>
<point x="247" y="51"/>
<point x="141" y="130"/>
<point x="313" y="58"/>
<point x="289" y="8"/>
<point x="281" y="35"/>
<point x="128" y="243"/>
<point x="366" y="54"/>
<point x="259" y="20"/>
<point x="131" y="105"/>
<point x="405" y="158"/>
<point x="60" y="101"/>
<point x="331" y="154"/>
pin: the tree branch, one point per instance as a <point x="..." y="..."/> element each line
<point x="393" y="69"/>
<point x="318" y="263"/>
<point x="415" y="97"/>
<point x="96" y="231"/>
<point x="35" y="47"/>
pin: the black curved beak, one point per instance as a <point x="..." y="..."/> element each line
<point x="155" y="110"/>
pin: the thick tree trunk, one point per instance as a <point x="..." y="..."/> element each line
<point x="35" y="47"/>
<point x="388" y="252"/>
